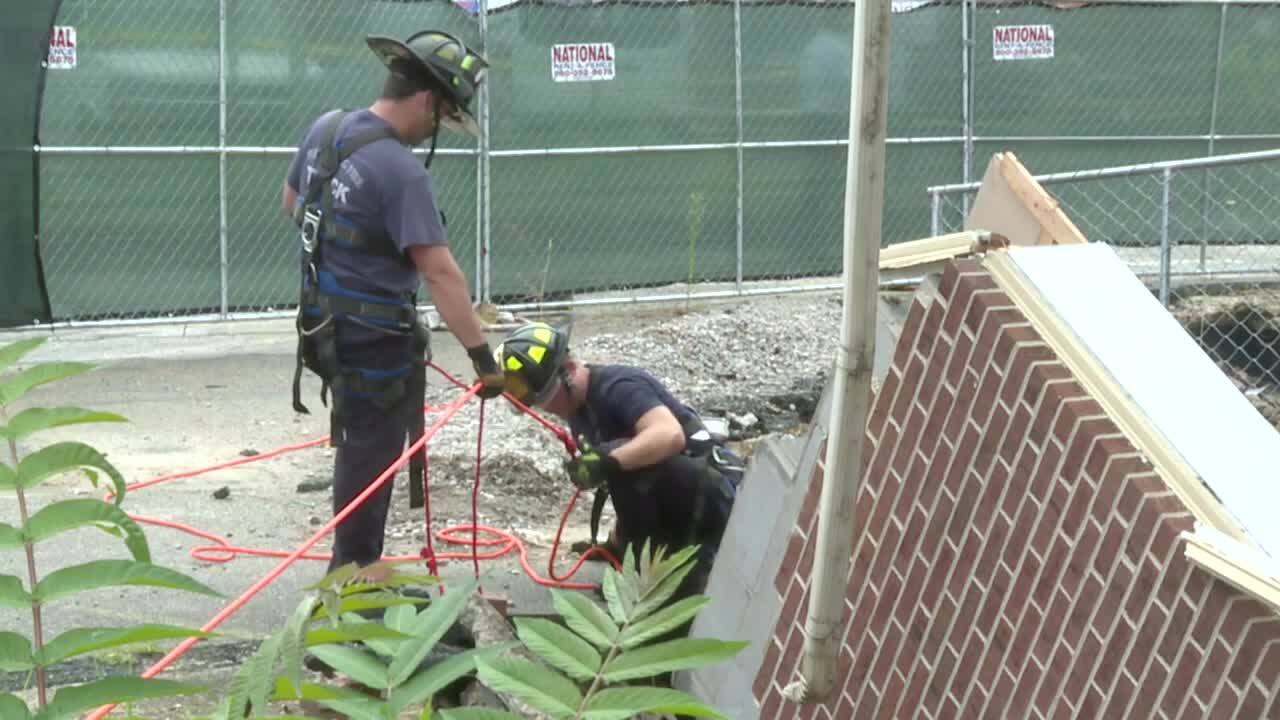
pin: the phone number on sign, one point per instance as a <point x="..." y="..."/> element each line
<point x="602" y="71"/>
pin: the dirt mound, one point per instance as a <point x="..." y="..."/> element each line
<point x="1241" y="332"/>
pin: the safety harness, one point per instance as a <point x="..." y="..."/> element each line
<point x="720" y="471"/>
<point x="324" y="301"/>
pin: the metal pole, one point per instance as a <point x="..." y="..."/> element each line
<point x="737" y="80"/>
<point x="479" y="279"/>
<point x="1164" y="238"/>
<point x="486" y="238"/>
<point x="1128" y="170"/>
<point x="480" y="159"/>
<point x="966" y="51"/>
<point x="1213" y="129"/>
<point x="222" y="155"/>
<point x="935" y="208"/>
<point x="851" y="375"/>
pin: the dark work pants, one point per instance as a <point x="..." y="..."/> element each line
<point x="375" y="434"/>
<point x="657" y="504"/>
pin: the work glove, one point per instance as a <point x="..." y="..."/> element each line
<point x="591" y="468"/>
<point x="492" y="380"/>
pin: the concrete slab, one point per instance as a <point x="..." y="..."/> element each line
<point x="745" y="605"/>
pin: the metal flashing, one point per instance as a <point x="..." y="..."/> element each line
<point x="1113" y="398"/>
<point x="1244" y="567"/>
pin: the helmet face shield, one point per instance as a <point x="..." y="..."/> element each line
<point x="544" y="396"/>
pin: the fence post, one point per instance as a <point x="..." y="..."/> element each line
<point x="1213" y="131"/>
<point x="482" y="268"/>
<point x="1164" y="237"/>
<point x="935" y="203"/>
<point x="222" y="159"/>
<point x="966" y="74"/>
<point x="479" y="278"/>
<point x="737" y="80"/>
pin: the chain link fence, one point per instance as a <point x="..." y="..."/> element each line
<point x="707" y="155"/>
<point x="1203" y="233"/>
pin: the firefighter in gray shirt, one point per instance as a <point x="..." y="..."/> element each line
<point x="370" y="232"/>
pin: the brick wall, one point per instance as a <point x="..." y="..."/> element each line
<point x="1015" y="556"/>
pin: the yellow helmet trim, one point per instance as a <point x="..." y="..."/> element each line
<point x="537" y="352"/>
<point x="513" y="363"/>
<point x="543" y="334"/>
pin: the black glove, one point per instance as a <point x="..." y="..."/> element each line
<point x="492" y="380"/>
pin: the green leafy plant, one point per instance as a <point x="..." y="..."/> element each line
<point x="387" y="657"/>
<point x="588" y="664"/>
<point x="36" y="654"/>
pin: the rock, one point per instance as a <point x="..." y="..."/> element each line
<point x="477" y="695"/>
<point x="745" y="421"/>
<point x="488" y="627"/>
<point x="222" y="493"/>
<point x="488" y="313"/>
<point x="249" y="452"/>
<point x="310" y="486"/>
<point x="314" y="520"/>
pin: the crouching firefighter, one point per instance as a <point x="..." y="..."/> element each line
<point x="670" y="481"/>
<point x="371" y="231"/>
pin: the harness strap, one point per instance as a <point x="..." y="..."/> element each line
<point x="321" y="295"/>
<point x="329" y="159"/>
<point x="350" y="236"/>
<point x="402" y="315"/>
<point x="326" y="162"/>
<point x="316" y="187"/>
<point x="597" y="508"/>
<point x="298" y="406"/>
<point x="417" y="425"/>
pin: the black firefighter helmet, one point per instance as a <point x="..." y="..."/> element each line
<point x="532" y="358"/>
<point x="439" y="55"/>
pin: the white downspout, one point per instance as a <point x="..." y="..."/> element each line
<point x="864" y="202"/>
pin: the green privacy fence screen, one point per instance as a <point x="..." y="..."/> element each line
<point x="711" y="149"/>
<point x="24" y="39"/>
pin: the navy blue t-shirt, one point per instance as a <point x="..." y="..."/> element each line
<point x="617" y="397"/>
<point x="380" y="188"/>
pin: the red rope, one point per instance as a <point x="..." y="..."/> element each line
<point x="298" y="552"/>
<point x="570" y="445"/>
<point x="428" y="550"/>
<point x="223" y="551"/>
<point x="475" y="494"/>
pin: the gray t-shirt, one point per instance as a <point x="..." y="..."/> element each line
<point x="381" y="187"/>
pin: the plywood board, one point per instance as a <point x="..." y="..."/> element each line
<point x="1010" y="202"/>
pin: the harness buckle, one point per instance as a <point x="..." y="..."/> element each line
<point x="310" y="229"/>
